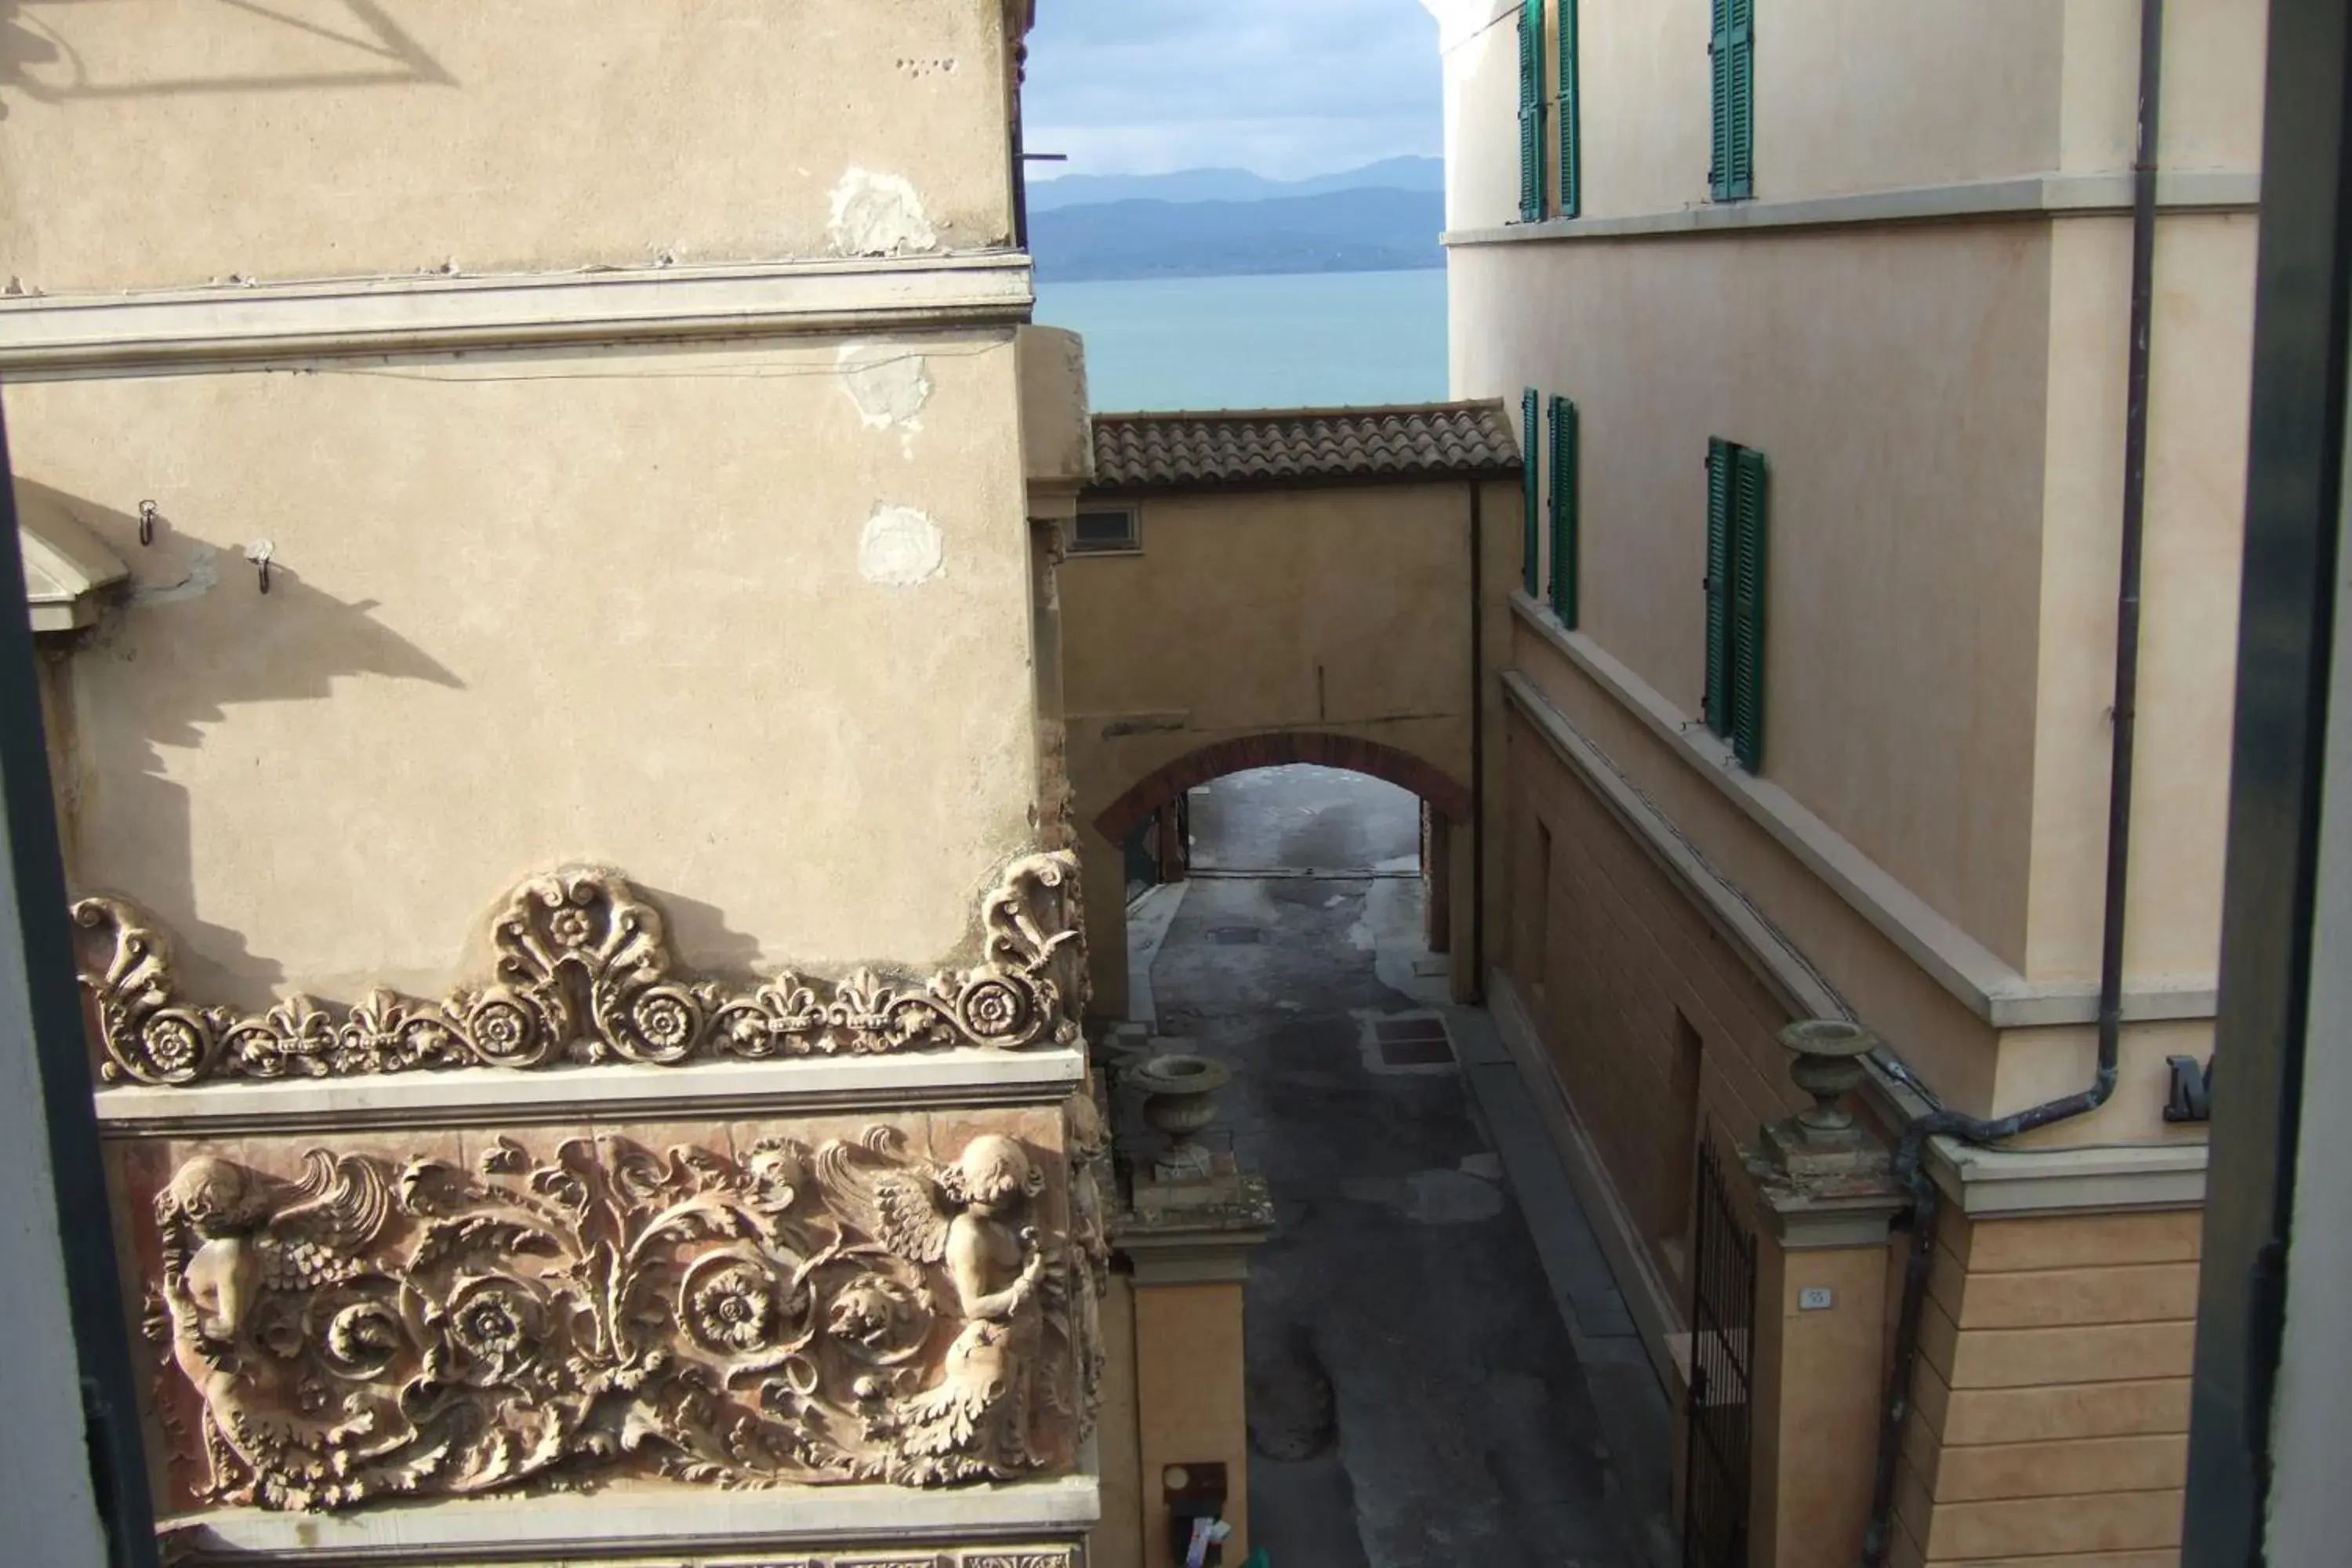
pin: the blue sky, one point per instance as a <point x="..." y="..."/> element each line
<point x="1286" y="87"/>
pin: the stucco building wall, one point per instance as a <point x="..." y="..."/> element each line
<point x="184" y="144"/>
<point x="1260" y="614"/>
<point x="683" y="612"/>
<point x="1920" y="320"/>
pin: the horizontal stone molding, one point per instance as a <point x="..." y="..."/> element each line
<point x="931" y="1079"/>
<point x="63" y="334"/>
<point x="1028" y="1524"/>
<point x="1983" y="982"/>
<point x="2050" y="195"/>
<point x="584" y="975"/>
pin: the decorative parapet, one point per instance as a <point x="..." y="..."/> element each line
<point x="585" y="974"/>
<point x="439" y="1316"/>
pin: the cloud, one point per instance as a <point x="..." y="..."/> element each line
<point x="1286" y="87"/>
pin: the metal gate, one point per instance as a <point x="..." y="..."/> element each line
<point x="1723" y="1314"/>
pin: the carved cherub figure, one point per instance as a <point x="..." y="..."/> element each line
<point x="972" y="1423"/>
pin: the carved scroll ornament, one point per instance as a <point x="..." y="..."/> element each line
<point x="585" y="974"/>
<point x="374" y="1329"/>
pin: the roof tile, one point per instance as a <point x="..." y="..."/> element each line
<point x="1246" y="446"/>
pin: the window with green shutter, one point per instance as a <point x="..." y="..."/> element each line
<point x="1737" y="534"/>
<point x="1571" y="163"/>
<point x="1531" y="111"/>
<point x="1530" y="488"/>
<point x="1731" y="55"/>
<point x="1565" y="476"/>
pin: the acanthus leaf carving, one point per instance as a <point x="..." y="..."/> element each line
<point x="584" y="974"/>
<point x="373" y="1329"/>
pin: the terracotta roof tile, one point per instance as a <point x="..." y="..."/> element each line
<point x="1403" y="444"/>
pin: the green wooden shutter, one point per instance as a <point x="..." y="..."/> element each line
<point x="1531" y="85"/>
<point x="1530" y="488"/>
<point x="1732" y="57"/>
<point x="1718" y="702"/>
<point x="1749" y="534"/>
<point x="1564" y="484"/>
<point x="1572" y="161"/>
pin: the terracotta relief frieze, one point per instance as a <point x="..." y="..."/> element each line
<point x="584" y="974"/>
<point x="487" y="1314"/>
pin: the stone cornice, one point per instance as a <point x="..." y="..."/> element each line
<point x="65" y="334"/>
<point x="806" y="1087"/>
<point x="2049" y="195"/>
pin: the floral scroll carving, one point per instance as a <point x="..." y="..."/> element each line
<point x="373" y="1329"/>
<point x="584" y="974"/>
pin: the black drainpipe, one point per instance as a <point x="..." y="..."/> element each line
<point x="1477" y="746"/>
<point x="1909" y="1168"/>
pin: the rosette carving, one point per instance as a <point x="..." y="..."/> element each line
<point x="375" y="1328"/>
<point x="584" y="975"/>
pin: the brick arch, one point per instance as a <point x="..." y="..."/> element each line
<point x="1277" y="749"/>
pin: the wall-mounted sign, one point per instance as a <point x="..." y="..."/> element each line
<point x="2190" y="1096"/>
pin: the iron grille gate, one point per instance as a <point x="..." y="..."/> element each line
<point x="1723" y="1312"/>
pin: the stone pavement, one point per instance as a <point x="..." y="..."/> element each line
<point x="1416" y="1394"/>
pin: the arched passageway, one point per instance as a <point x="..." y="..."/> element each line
<point x="1447" y="838"/>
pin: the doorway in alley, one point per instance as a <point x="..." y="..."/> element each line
<point x="1416" y="1394"/>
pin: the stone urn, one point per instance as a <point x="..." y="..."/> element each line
<point x="1829" y="1053"/>
<point x="1179" y="1097"/>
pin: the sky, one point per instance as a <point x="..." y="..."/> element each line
<point x="1284" y="88"/>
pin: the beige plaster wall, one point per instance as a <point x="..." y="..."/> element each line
<point x="1478" y="45"/>
<point x="1894" y="382"/>
<point x="1847" y="99"/>
<point x="2212" y="102"/>
<point x="1941" y="1039"/>
<point x="1190" y="1382"/>
<point x="183" y="141"/>
<point x="1342" y="611"/>
<point x="2202" y="357"/>
<point x="630" y="607"/>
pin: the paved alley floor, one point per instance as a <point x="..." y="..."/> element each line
<point x="1414" y="1398"/>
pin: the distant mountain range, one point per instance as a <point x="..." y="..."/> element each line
<point x="1231" y="184"/>
<point x="1206" y="223"/>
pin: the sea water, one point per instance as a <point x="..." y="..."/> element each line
<point x="1289" y="339"/>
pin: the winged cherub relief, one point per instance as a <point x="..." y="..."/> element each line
<point x="975" y="1422"/>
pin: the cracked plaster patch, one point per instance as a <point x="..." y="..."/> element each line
<point x="900" y="547"/>
<point x="879" y="214"/>
<point x="888" y="383"/>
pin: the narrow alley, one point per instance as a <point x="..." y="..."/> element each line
<point x="1414" y="1398"/>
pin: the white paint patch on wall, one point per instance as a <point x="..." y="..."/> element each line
<point x="888" y="382"/>
<point x="879" y="214"/>
<point x="900" y="547"/>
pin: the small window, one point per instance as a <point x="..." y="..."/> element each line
<point x="1104" y="530"/>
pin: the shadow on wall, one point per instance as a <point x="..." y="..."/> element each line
<point x="38" y="58"/>
<point x="296" y="641"/>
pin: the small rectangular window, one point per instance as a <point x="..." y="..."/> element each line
<point x="1100" y="530"/>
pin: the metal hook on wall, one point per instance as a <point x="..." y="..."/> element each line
<point x="258" y="552"/>
<point x="146" y="522"/>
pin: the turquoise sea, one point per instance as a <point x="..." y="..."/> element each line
<point x="1283" y="341"/>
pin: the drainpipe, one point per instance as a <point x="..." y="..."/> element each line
<point x="1477" y="746"/>
<point x="1909" y="1168"/>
